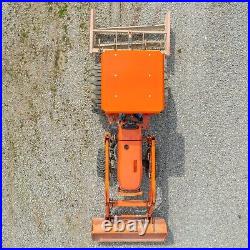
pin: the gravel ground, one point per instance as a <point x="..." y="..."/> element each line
<point x="51" y="137"/>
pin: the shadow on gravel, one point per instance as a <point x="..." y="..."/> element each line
<point x="170" y="157"/>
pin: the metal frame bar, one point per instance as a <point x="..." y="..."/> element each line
<point x="163" y="29"/>
<point x="107" y="175"/>
<point x="152" y="190"/>
<point x="91" y="28"/>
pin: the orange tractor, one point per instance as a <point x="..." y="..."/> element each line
<point x="128" y="87"/>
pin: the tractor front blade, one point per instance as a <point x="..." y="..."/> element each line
<point x="154" y="231"/>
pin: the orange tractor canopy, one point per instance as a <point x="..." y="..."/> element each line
<point x="132" y="81"/>
<point x="128" y="86"/>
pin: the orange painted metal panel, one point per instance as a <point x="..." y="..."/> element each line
<point x="132" y="81"/>
<point x="129" y="203"/>
<point x="156" y="231"/>
<point x="129" y="165"/>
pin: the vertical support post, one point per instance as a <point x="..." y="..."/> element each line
<point x="116" y="38"/>
<point x="143" y="40"/>
<point x="152" y="190"/>
<point x="107" y="174"/>
<point x="91" y="30"/>
<point x="167" y="30"/>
